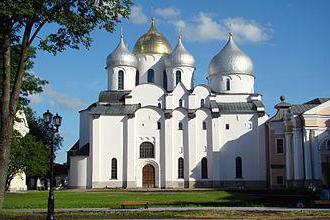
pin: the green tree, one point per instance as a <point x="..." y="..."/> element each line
<point x="30" y="153"/>
<point x="22" y="24"/>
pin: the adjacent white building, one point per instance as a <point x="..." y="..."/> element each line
<point x="153" y="128"/>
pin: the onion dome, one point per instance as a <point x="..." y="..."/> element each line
<point x="121" y="56"/>
<point x="179" y="57"/>
<point x="231" y="60"/>
<point x="152" y="42"/>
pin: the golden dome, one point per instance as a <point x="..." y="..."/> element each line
<point x="152" y="42"/>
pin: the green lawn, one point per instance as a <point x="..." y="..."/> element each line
<point x="112" y="199"/>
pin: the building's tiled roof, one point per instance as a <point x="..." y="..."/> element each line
<point x="297" y="109"/>
<point x="118" y="109"/>
<point x="79" y="151"/>
<point x="236" y="107"/>
<point x="112" y="96"/>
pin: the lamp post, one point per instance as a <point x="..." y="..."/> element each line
<point x="52" y="124"/>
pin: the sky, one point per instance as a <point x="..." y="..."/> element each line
<point x="288" y="41"/>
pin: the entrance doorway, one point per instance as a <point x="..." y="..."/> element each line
<point x="148" y="176"/>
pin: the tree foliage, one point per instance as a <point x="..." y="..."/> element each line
<point x="30" y="154"/>
<point x="50" y="25"/>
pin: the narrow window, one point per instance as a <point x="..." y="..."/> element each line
<point x="279" y="146"/>
<point x="177" y="77"/>
<point x="228" y="84"/>
<point x="114" y="168"/>
<point x="280" y="180"/>
<point x="159" y="125"/>
<point x="180" y="126"/>
<point x="120" y="80"/>
<point x="204" y="168"/>
<point x="204" y="125"/>
<point x="202" y="102"/>
<point x="180" y="103"/>
<point x="151" y="76"/>
<point x="180" y="168"/>
<point x="159" y="105"/>
<point x="137" y="78"/>
<point x="227" y="126"/>
<point x="147" y="150"/>
<point x="238" y="167"/>
<point x="165" y="80"/>
<point x="328" y="145"/>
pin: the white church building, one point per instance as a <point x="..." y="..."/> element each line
<point x="153" y="128"/>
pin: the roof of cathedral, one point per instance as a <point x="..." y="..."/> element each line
<point x="79" y="151"/>
<point x="180" y="56"/>
<point x="121" y="56"/>
<point x="112" y="96"/>
<point x="114" y="109"/>
<point x="231" y="60"/>
<point x="239" y="107"/>
<point x="152" y="42"/>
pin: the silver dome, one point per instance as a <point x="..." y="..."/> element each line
<point x="179" y="57"/>
<point x="231" y="60"/>
<point x="121" y="56"/>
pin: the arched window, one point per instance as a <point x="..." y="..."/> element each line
<point x="113" y="168"/>
<point x="202" y="102"/>
<point x="159" y="105"/>
<point x="137" y="78"/>
<point x="147" y="150"/>
<point x="180" y="103"/>
<point x="151" y="76"/>
<point x="204" y="168"/>
<point x="180" y="168"/>
<point x="238" y="167"/>
<point x="165" y="80"/>
<point x="228" y="84"/>
<point x="204" y="125"/>
<point x="180" y="126"/>
<point x="121" y="80"/>
<point x="177" y="77"/>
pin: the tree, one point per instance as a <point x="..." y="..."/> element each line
<point x="22" y="25"/>
<point x="30" y="153"/>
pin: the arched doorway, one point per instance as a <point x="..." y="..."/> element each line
<point x="148" y="176"/>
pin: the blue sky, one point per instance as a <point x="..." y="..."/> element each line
<point x="288" y="41"/>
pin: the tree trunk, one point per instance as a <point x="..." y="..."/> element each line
<point x="6" y="123"/>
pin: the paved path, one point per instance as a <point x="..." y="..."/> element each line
<point x="274" y="209"/>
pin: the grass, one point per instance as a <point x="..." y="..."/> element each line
<point x="175" y="214"/>
<point x="112" y="199"/>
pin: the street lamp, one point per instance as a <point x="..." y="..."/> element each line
<point x="52" y="124"/>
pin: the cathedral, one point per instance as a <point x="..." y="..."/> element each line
<point x="152" y="128"/>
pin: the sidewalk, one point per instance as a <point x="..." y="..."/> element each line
<point x="273" y="209"/>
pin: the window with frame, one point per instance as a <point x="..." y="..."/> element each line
<point x="180" y="126"/>
<point x="177" y="77"/>
<point x="239" y="173"/>
<point x="279" y="146"/>
<point x="228" y="84"/>
<point x="280" y="180"/>
<point x="159" y="125"/>
<point x="202" y="102"/>
<point x="204" y="168"/>
<point x="204" y="125"/>
<point x="147" y="150"/>
<point x="137" y="78"/>
<point x="180" y="103"/>
<point x="113" y="168"/>
<point x="180" y="168"/>
<point x="151" y="76"/>
<point x="165" y="80"/>
<point x="120" y="80"/>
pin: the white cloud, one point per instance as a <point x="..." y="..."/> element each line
<point x="137" y="16"/>
<point x="59" y="99"/>
<point x="167" y="13"/>
<point x="204" y="28"/>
